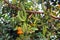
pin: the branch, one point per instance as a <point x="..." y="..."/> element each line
<point x="34" y="12"/>
<point x="11" y="5"/>
<point x="55" y="17"/>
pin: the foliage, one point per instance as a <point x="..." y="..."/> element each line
<point x="15" y="23"/>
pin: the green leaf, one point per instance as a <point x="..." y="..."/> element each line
<point x="20" y="18"/>
<point x="13" y="1"/>
<point x="34" y="28"/>
<point x="44" y="30"/>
